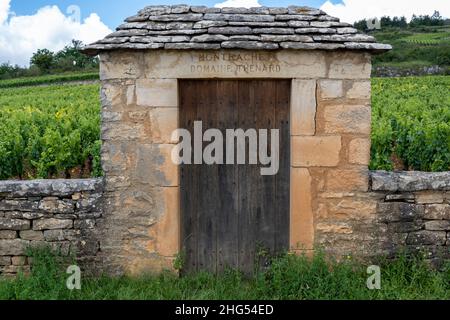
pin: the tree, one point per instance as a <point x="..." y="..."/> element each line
<point x="43" y="59"/>
<point x="70" y="58"/>
<point x="361" y="25"/>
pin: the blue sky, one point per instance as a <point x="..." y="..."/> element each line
<point x="112" y="12"/>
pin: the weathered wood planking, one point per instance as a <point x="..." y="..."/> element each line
<point x="231" y="213"/>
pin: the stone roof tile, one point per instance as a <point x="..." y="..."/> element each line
<point x="183" y="27"/>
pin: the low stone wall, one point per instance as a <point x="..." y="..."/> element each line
<point x="402" y="211"/>
<point x="415" y="212"/>
<point x="390" y="72"/>
<point x="407" y="211"/>
<point x="62" y="214"/>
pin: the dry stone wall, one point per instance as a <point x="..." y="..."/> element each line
<point x="407" y="211"/>
<point x="403" y="211"/>
<point x="61" y="214"/>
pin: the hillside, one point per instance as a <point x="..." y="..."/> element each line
<point x="417" y="50"/>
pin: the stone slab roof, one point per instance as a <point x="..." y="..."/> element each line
<point x="184" y="27"/>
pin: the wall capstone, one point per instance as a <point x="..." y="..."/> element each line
<point x="410" y="181"/>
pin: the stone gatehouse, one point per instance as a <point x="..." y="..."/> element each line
<point x="294" y="69"/>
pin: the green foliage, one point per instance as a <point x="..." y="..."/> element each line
<point x="43" y="59"/>
<point x="429" y="45"/>
<point x="49" y="79"/>
<point x="43" y="62"/>
<point x="288" y="277"/>
<point x="8" y="71"/>
<point x="425" y="39"/>
<point x="401" y="22"/>
<point x="411" y="121"/>
<point x="47" y="131"/>
<point x="71" y="59"/>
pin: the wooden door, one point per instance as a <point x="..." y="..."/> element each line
<point x="231" y="215"/>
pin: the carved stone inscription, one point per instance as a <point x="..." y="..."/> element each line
<point x="228" y="62"/>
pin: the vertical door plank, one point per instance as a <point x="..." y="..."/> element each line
<point x="188" y="182"/>
<point x="265" y="197"/>
<point x="227" y="222"/>
<point x="209" y="193"/>
<point x="282" y="114"/>
<point x="246" y="187"/>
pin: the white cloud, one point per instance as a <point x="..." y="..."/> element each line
<point x="354" y="10"/>
<point x="4" y="9"/>
<point x="239" y="4"/>
<point x="49" y="28"/>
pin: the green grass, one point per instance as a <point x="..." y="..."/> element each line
<point x="289" y="277"/>
<point x="50" y="79"/>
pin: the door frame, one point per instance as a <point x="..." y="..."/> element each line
<point x="301" y="226"/>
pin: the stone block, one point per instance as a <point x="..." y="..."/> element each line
<point x="121" y="65"/>
<point x="331" y="89"/>
<point x="108" y="116"/>
<point x="18" y="205"/>
<point x="16" y="247"/>
<point x="168" y="225"/>
<point x="24" y="215"/>
<point x="157" y="92"/>
<point x="302" y="217"/>
<point x="352" y="208"/>
<point x="429" y="197"/>
<point x="437" y="212"/>
<point x="336" y="228"/>
<point x="54" y="205"/>
<point x="359" y="151"/>
<point x="19" y="261"/>
<point x="7" y="234"/>
<point x="164" y="121"/>
<point x="52" y="224"/>
<point x="5" y="261"/>
<point x="315" y="151"/>
<point x="348" y="119"/>
<point x="123" y="132"/>
<point x="359" y="90"/>
<point x="426" y="237"/>
<point x="303" y="107"/>
<point x="14" y="224"/>
<point x="347" y="180"/>
<point x="118" y="156"/>
<point x="410" y="181"/>
<point x="32" y="235"/>
<point x="84" y="224"/>
<point x="11" y="271"/>
<point x="405" y="227"/>
<point x="398" y="211"/>
<point x="112" y="97"/>
<point x="350" y="65"/>
<point x="402" y="197"/>
<point x="61" y="235"/>
<point x="137" y="116"/>
<point x="155" y="166"/>
<point x="202" y="64"/>
<point x="437" y="225"/>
